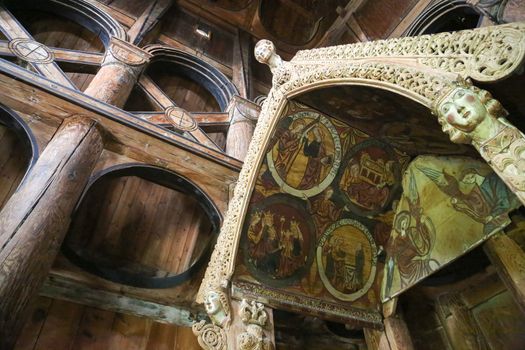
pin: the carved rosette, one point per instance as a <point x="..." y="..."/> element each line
<point x="209" y="336"/>
<point x="126" y="55"/>
<point x="363" y="64"/>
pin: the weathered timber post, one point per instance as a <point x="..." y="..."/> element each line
<point x="509" y="259"/>
<point x="120" y="70"/>
<point x="34" y="221"/>
<point x="243" y="117"/>
<point x="397" y="333"/>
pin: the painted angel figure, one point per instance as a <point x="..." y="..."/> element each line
<point x="483" y="198"/>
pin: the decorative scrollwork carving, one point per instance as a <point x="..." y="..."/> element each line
<point x="483" y="54"/>
<point x="209" y="336"/>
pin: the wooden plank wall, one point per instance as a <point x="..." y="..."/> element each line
<point x="57" y="324"/>
<point x="13" y="163"/>
<point x="379" y="18"/>
<point x="133" y="222"/>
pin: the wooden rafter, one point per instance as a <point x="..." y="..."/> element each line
<point x="15" y="32"/>
<point x="216" y="121"/>
<point x="147" y="20"/>
<point x="159" y="97"/>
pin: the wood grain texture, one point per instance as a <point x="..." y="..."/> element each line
<point x="35" y="219"/>
<point x="13" y="163"/>
<point x="509" y="260"/>
<point x="65" y="325"/>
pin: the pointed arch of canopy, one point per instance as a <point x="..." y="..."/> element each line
<point x="419" y="68"/>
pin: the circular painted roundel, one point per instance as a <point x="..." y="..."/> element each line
<point x="31" y="51"/>
<point x="305" y="154"/>
<point x="278" y="240"/>
<point x="180" y="119"/>
<point x="346" y="259"/>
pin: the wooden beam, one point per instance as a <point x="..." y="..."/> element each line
<point x="509" y="259"/>
<point x="214" y="120"/>
<point x="115" y="13"/>
<point x="336" y="30"/>
<point x="153" y="91"/>
<point x="419" y="7"/>
<point x="29" y="50"/>
<point x="241" y="64"/>
<point x="80" y="57"/>
<point x="34" y="95"/>
<point x="60" y="288"/>
<point x="147" y="20"/>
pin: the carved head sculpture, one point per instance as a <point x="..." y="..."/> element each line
<point x="466" y="112"/>
<point x="217" y="307"/>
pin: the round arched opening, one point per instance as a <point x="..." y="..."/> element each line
<point x="19" y="152"/>
<point x="445" y="16"/>
<point x="142" y="226"/>
<point x="63" y="40"/>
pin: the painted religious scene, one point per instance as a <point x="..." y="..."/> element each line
<point x="319" y="217"/>
<point x="448" y="207"/>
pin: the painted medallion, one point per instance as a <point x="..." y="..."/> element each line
<point x="371" y="177"/>
<point x="305" y="154"/>
<point x="346" y="259"/>
<point x="279" y="240"/>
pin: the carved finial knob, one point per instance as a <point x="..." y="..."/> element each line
<point x="264" y="50"/>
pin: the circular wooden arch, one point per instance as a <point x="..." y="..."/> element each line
<point x="167" y="179"/>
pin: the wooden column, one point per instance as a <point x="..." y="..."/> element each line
<point x="243" y="117"/>
<point x="35" y="219"/>
<point x="397" y="333"/>
<point x="120" y="70"/>
<point x="509" y="260"/>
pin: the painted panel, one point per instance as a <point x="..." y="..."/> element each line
<point x="319" y="217"/>
<point x="449" y="206"/>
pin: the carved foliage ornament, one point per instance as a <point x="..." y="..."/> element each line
<point x="360" y="63"/>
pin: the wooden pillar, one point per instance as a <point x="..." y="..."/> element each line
<point x="243" y="117"/>
<point x="35" y="219"/>
<point x="397" y="333"/>
<point x="375" y="339"/>
<point x="509" y="260"/>
<point x="120" y="70"/>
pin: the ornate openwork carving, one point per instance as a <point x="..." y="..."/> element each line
<point x="425" y="68"/>
<point x="484" y="54"/>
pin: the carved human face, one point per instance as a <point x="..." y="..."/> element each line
<point x="212" y="303"/>
<point x="462" y="109"/>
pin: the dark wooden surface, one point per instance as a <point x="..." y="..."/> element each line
<point x="57" y="324"/>
<point x="35" y="219"/>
